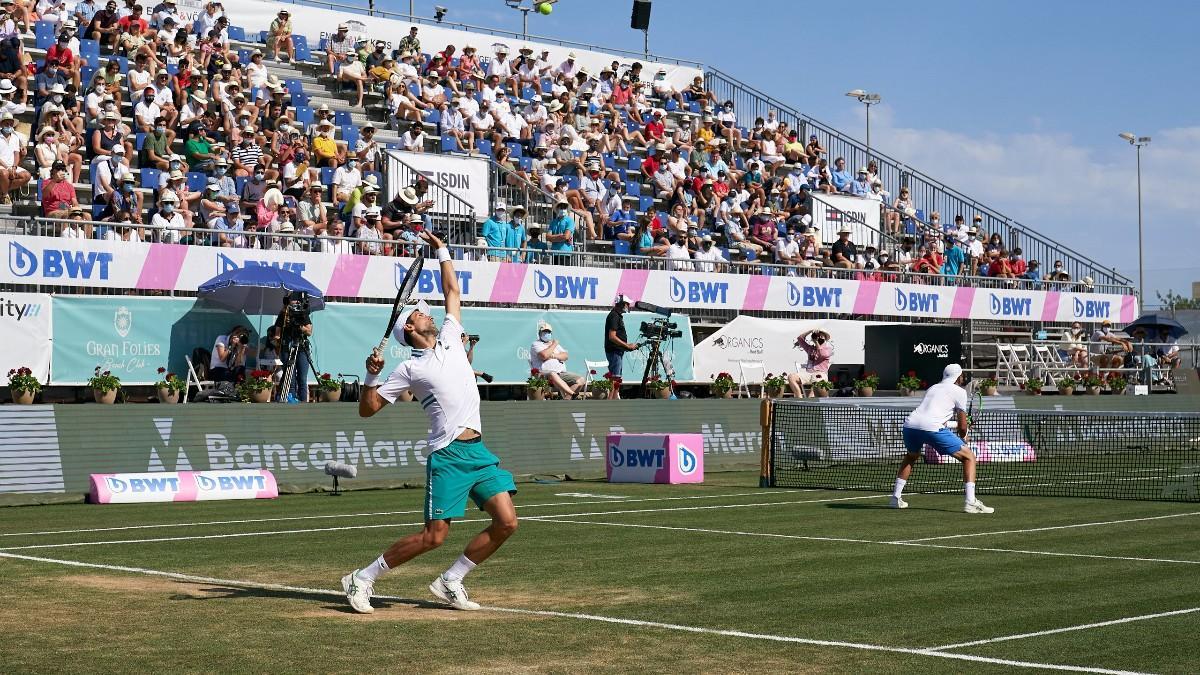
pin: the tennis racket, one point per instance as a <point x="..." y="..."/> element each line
<point x="403" y="296"/>
<point x="974" y="405"/>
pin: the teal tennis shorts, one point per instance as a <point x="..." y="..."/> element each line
<point x="460" y="470"/>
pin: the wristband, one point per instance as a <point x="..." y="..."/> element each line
<point x="443" y="255"/>
<point x="372" y="380"/>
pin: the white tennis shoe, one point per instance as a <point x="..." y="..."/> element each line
<point x="977" y="507"/>
<point x="452" y="592"/>
<point x="898" y="503"/>
<point x="358" y="592"/>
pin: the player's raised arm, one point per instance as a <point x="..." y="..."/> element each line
<point x="450" y="290"/>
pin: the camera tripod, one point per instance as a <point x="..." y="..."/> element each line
<point x="657" y="363"/>
<point x="295" y="348"/>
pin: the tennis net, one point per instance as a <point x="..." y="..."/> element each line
<point x="1107" y="455"/>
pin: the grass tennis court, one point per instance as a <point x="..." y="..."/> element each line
<point x="724" y="577"/>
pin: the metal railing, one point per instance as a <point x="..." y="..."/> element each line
<point x="985" y="359"/>
<point x="932" y="195"/>
<point x="515" y="190"/>
<point x="446" y="212"/>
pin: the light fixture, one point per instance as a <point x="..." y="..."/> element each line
<point x="1137" y="142"/>
<point x="867" y="99"/>
<point x="439" y="13"/>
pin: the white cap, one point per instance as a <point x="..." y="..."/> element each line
<point x="951" y="372"/>
<point x="398" y="331"/>
<point x="622" y="299"/>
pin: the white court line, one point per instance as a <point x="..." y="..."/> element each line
<point x="1068" y="629"/>
<point x="1054" y="527"/>
<point x="237" y="535"/>
<point x="623" y="500"/>
<point x="592" y="617"/>
<point x="560" y="519"/>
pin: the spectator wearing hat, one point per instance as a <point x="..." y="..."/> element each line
<point x="547" y="356"/>
<point x="311" y="215"/>
<point x="327" y="152"/>
<point x="470" y="69"/>
<point x="361" y="199"/>
<point x="560" y="232"/>
<point x="124" y="203"/>
<point x="374" y="241"/>
<point x="167" y="222"/>
<point x="843" y="252"/>
<point x="14" y="77"/>
<point x="494" y="232"/>
<point x="58" y="194"/>
<point x="279" y="36"/>
<point x="395" y="213"/>
<point x="51" y="150"/>
<point x="79" y="225"/>
<point x="107" y="172"/>
<point x="709" y="257"/>
<point x="340" y="44"/>
<point x="516" y="237"/>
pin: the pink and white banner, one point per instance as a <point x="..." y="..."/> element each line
<point x="120" y="265"/>
<point x="182" y="486"/>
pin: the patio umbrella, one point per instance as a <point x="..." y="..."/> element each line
<point x="1155" y="322"/>
<point x="258" y="288"/>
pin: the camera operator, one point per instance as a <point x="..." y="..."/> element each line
<point x="820" y="351"/>
<point x="469" y="342"/>
<point x="547" y="357"/>
<point x="295" y="328"/>
<point x="616" y="343"/>
<point x="228" y="360"/>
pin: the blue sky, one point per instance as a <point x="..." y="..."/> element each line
<point x="1017" y="103"/>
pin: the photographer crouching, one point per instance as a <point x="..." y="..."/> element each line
<point x="295" y="328"/>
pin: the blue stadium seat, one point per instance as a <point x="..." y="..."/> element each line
<point x="414" y="89"/>
<point x="635" y="163"/>
<point x="326" y="175"/>
<point x="610" y="160"/>
<point x="86" y="73"/>
<point x="123" y="64"/>
<point x="239" y="183"/>
<point x="528" y="93"/>
<point x="299" y="100"/>
<point x="514" y="148"/>
<point x="150" y="178"/>
<point x="89" y="52"/>
<point x="139" y="140"/>
<point x="323" y="44"/>
<point x="645" y="203"/>
<point x="43" y="32"/>
<point x="671" y="106"/>
<point x="350" y="135"/>
<point x="622" y="247"/>
<point x="526" y="163"/>
<point x="304" y="115"/>
<point x="750" y="255"/>
<point x="172" y="68"/>
<point x="433" y="116"/>
<point x="484" y="146"/>
<point x="237" y="33"/>
<point x="768" y="271"/>
<point x="547" y="85"/>
<point x="572" y="181"/>
<point x="303" y="53"/>
<point x="295" y="87"/>
<point x="448" y="144"/>
<point x="300" y="41"/>
<point x="342" y="118"/>
<point x="243" y="56"/>
<point x="633" y="188"/>
<point x="196" y="181"/>
<point x="97" y="212"/>
<point x="694" y="107"/>
<point x="261" y="37"/>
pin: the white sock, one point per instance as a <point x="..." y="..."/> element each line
<point x="970" y="492"/>
<point x="373" y="571"/>
<point x="460" y="568"/>
<point x="900" y="483"/>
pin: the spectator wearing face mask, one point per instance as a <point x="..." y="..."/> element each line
<point x="1076" y="339"/>
<point x="124" y="200"/>
<point x="1059" y="273"/>
<point x="494" y="230"/>
<point x="819" y="349"/>
<point x="515" y="235"/>
<point x="345" y="179"/>
<point x="548" y="357"/>
<point x="709" y="258"/>
<point x="58" y="194"/>
<point x="168" y="223"/>
<point x="560" y="232"/>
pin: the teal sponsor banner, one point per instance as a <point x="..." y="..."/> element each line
<point x="134" y="336"/>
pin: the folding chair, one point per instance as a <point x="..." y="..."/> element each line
<point x="747" y="368"/>
<point x="206" y="387"/>
<point x="596" y="366"/>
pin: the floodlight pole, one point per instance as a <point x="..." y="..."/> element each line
<point x="1137" y="142"/>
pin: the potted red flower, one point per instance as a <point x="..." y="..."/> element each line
<point x="169" y="387"/>
<point x="23" y="385"/>
<point x="329" y="389"/>
<point x="256" y="387"/>
<point x="104" y="386"/>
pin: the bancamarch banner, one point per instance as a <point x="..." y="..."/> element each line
<point x="134" y="336"/>
<point x="121" y="265"/>
<point x="25" y="329"/>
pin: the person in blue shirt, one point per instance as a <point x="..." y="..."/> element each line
<point x="561" y="230"/>
<point x="860" y="186"/>
<point x="515" y="236"/>
<point x="839" y="176"/>
<point x="494" y="232"/>
<point x="956" y="257"/>
<point x="1034" y="274"/>
<point x="621" y="222"/>
<point x="537" y="246"/>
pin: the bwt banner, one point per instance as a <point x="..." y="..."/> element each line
<point x="103" y="264"/>
<point x="182" y="486"/>
<point x="466" y="176"/>
<point x="655" y="458"/>
<point x="25" y="329"/>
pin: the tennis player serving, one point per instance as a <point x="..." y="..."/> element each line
<point x="439" y="375"/>
<point x="928" y="425"/>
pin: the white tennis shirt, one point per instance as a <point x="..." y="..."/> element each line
<point x="938" y="406"/>
<point x="443" y="381"/>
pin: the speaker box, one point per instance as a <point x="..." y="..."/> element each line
<point x="641" y="15"/>
<point x="892" y="351"/>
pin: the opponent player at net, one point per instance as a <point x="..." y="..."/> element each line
<point x="439" y="375"/>
<point x="927" y="425"/>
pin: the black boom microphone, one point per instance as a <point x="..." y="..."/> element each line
<point x="339" y="470"/>
<point x="655" y="309"/>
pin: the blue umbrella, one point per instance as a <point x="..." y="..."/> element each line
<point x="1154" y="322"/>
<point x="258" y="287"/>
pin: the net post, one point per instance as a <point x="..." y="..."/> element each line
<point x="765" y="411"/>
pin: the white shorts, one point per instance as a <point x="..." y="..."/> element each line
<point x="810" y="376"/>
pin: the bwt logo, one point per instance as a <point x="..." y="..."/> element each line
<point x="56" y="263"/>
<point x="925" y="349"/>
<point x="225" y="264"/>
<point x="565" y="286"/>
<point x="1093" y="309"/>
<point x="699" y="291"/>
<point x="813" y="296"/>
<point x="226" y="483"/>
<point x="131" y="485"/>
<point x="636" y="457"/>
<point x="687" y="460"/>
<point x="1003" y="306"/>
<point x="916" y="302"/>
<point x="430" y="281"/>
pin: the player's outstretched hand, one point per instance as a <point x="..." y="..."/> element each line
<point x="375" y="363"/>
<point x="431" y="239"/>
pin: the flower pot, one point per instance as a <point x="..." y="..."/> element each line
<point x="1118" y="391"/>
<point x="1093" y="391"/>
<point x="728" y="393"/>
<point x="989" y="391"/>
<point x="23" y="397"/>
<point x="905" y="391"/>
<point x="166" y="395"/>
<point x="107" y="397"/>
<point x="774" y="392"/>
<point x="665" y="392"/>
<point x="820" y="392"/>
<point x="865" y="392"/>
<point x="599" y="394"/>
<point x="1066" y="391"/>
<point x="536" y="394"/>
<point x="1034" y="392"/>
<point x="260" y="396"/>
<point x="331" y="395"/>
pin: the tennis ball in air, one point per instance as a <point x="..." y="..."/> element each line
<point x="545" y="8"/>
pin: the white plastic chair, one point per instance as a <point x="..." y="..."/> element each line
<point x="597" y="366"/>
<point x="747" y="368"/>
<point x="193" y="379"/>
